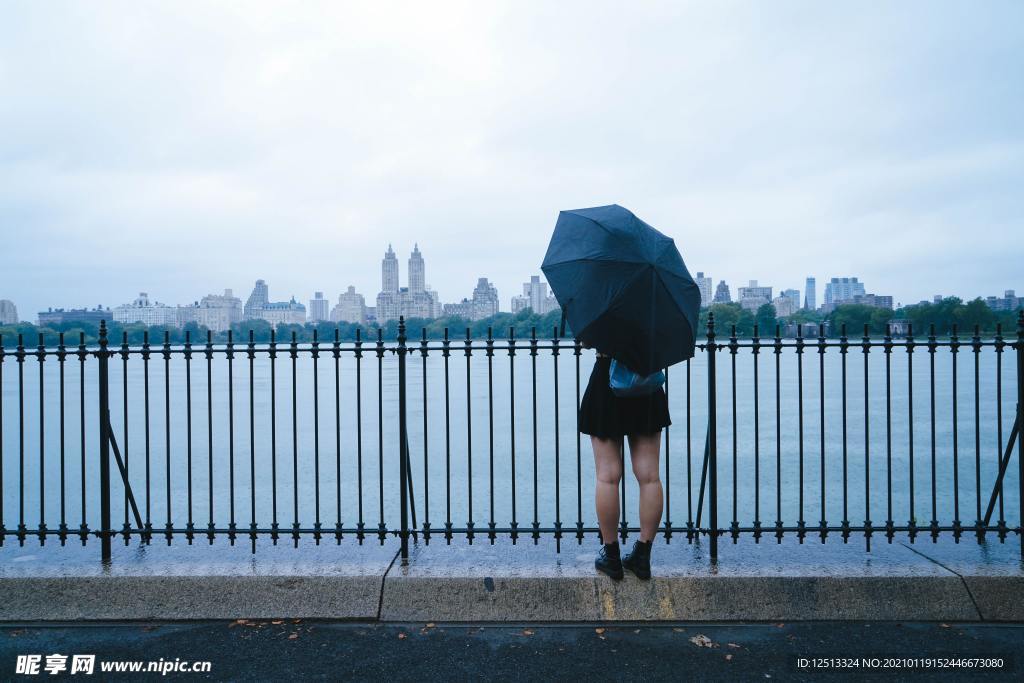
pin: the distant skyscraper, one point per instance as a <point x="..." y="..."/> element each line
<point x="318" y="308"/>
<point x="351" y="307"/>
<point x="417" y="276"/>
<point x="842" y="289"/>
<point x="389" y="271"/>
<point x="784" y="305"/>
<point x="8" y="312"/>
<point x="810" y="296"/>
<point x="259" y="298"/>
<point x="219" y="312"/>
<point x="485" y="299"/>
<point x="722" y="293"/>
<point x="794" y="296"/>
<point x="535" y="297"/>
<point x="704" y="284"/>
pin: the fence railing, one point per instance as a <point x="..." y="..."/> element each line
<point x="807" y="436"/>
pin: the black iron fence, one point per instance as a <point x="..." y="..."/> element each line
<point x="438" y="439"/>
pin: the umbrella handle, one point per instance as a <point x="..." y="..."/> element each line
<point x="561" y="332"/>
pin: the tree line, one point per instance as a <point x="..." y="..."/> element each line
<point x="521" y="324"/>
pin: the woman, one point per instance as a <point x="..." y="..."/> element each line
<point x="609" y="418"/>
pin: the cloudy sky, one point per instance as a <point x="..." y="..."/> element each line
<point x="184" y="147"/>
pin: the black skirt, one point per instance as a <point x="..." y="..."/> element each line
<point x="605" y="415"/>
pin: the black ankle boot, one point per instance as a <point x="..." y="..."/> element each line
<point x="638" y="560"/>
<point x="608" y="561"/>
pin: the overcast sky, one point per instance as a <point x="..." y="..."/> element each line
<point x="180" y="148"/>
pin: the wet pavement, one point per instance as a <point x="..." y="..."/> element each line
<point x="281" y="649"/>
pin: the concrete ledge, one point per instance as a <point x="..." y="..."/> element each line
<point x="189" y="597"/>
<point x="525" y="582"/>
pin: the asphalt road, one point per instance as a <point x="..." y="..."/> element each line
<point x="298" y="650"/>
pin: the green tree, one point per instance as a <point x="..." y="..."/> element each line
<point x="765" y="319"/>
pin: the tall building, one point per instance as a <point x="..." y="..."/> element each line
<point x="722" y="293"/>
<point x="413" y="301"/>
<point x="794" y="296"/>
<point x="389" y="271"/>
<point x="704" y="284"/>
<point x="259" y="298"/>
<point x="784" y="305"/>
<point x="59" y="316"/>
<point x="8" y="312"/>
<point x="218" y="312"/>
<point x="351" y="307"/>
<point x="144" y="311"/>
<point x="417" y="271"/>
<point x="319" y="308"/>
<point x="485" y="299"/>
<point x="841" y="290"/>
<point x="535" y="297"/>
<point x="810" y="296"/>
<point x="435" y="303"/>
<point x="753" y="296"/>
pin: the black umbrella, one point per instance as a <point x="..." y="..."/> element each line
<point x="623" y="287"/>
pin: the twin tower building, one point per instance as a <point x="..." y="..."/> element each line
<point x="414" y="301"/>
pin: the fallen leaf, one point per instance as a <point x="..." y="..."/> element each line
<point x="277" y="621"/>
<point x="598" y="631"/>
<point x="944" y="625"/>
<point x="293" y="636"/>
<point x="401" y="636"/>
<point x="728" y="658"/>
<point x="733" y="645"/>
<point x="527" y="632"/>
<point x="701" y="640"/>
<point x="636" y="630"/>
<point x="430" y="625"/>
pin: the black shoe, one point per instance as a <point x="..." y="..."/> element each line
<point x="608" y="561"/>
<point x="638" y="560"/>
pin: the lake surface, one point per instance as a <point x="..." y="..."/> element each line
<point x="502" y="447"/>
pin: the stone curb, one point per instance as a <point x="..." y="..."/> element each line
<point x="514" y="598"/>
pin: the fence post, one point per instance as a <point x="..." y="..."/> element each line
<point x="1020" y="428"/>
<point x="105" y="532"/>
<point x="712" y="441"/>
<point x="403" y="470"/>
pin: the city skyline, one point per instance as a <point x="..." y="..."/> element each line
<point x="350" y="305"/>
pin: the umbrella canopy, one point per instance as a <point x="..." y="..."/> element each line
<point x="623" y="287"/>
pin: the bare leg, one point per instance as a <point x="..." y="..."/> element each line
<point x="643" y="452"/>
<point x="608" y="463"/>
